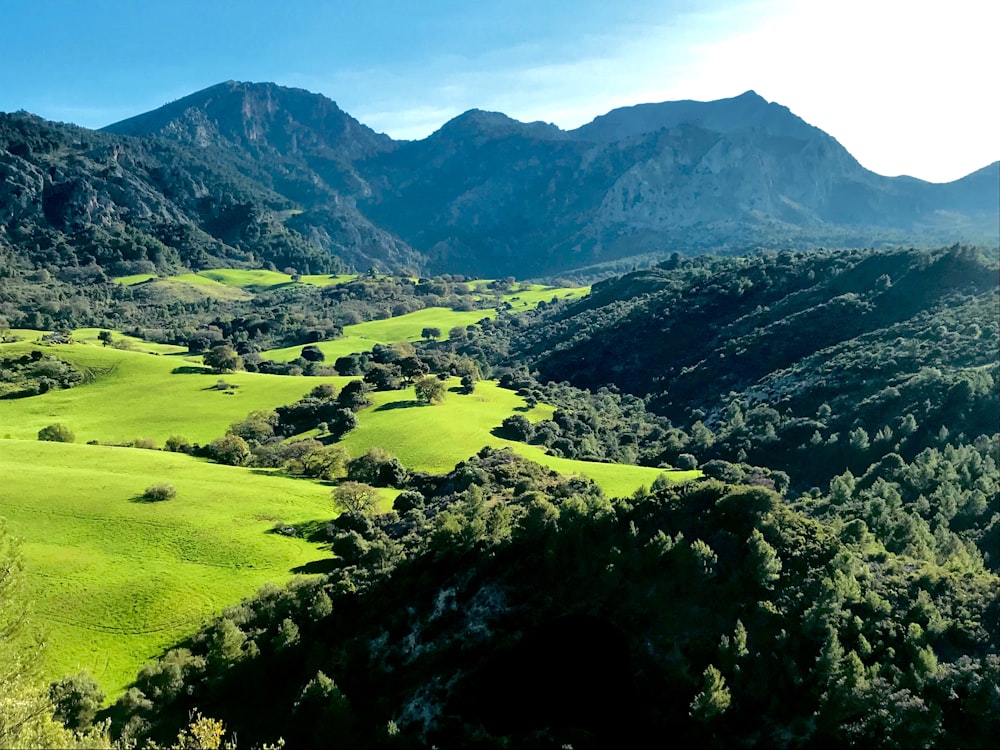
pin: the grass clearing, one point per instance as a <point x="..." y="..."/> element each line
<point x="116" y="580"/>
<point x="435" y="438"/>
<point x="528" y="299"/>
<point x="255" y="280"/>
<point x="361" y="337"/>
<point x="134" y="395"/>
<point x="260" y="280"/>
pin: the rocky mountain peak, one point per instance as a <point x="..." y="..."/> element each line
<point x="479" y="123"/>
<point x="259" y="116"/>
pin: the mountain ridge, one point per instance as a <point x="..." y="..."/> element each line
<point x="283" y="176"/>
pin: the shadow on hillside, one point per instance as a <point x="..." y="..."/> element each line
<point x="145" y="500"/>
<point x="523" y="408"/>
<point x="317" y="567"/>
<point x="191" y="370"/>
<point x="399" y="405"/>
<point x="288" y="475"/>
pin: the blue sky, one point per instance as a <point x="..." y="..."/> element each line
<point x="908" y="86"/>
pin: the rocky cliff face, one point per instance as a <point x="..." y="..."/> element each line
<point x="259" y="173"/>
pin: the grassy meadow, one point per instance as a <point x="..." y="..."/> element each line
<point x="249" y="279"/>
<point x="433" y="438"/>
<point x="137" y="395"/>
<point x="363" y="336"/>
<point x="114" y="579"/>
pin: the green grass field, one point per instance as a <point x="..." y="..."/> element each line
<point x="135" y="395"/>
<point x="253" y="280"/>
<point x="529" y="298"/>
<point x="116" y="580"/>
<point x="363" y="336"/>
<point x="435" y="438"/>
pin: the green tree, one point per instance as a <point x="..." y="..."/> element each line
<point x="223" y="358"/>
<point x="312" y="353"/>
<point x="105" y="338"/>
<point x="325" y="462"/>
<point x="714" y="697"/>
<point x="230" y="449"/>
<point x="76" y="700"/>
<point x="431" y="333"/>
<point x="429" y="390"/>
<point x="56" y="433"/>
<point x="355" y="497"/>
<point x="257" y="427"/>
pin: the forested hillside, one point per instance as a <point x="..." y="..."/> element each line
<point x="832" y="580"/>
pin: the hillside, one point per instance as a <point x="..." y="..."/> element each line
<point x="822" y="571"/>
<point x="254" y="175"/>
<point x="774" y="352"/>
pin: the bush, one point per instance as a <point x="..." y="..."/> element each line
<point x="56" y="433"/>
<point x="178" y="444"/>
<point x="230" y="449"/>
<point x="160" y="491"/>
<point x="686" y="461"/>
<point x="76" y="699"/>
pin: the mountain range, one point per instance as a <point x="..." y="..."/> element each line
<point x="260" y="174"/>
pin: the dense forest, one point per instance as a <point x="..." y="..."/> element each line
<point x="833" y="580"/>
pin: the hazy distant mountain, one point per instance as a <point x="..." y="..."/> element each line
<point x="259" y="173"/>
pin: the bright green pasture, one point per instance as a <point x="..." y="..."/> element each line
<point x="116" y="580"/>
<point x="409" y="327"/>
<point x="434" y="438"/>
<point x="134" y="395"/>
<point x="529" y="298"/>
<point x="254" y="280"/>
<point x="193" y="288"/>
<point x="89" y="336"/>
<point x="259" y="279"/>
<point x="332" y="350"/>
<point x="361" y="337"/>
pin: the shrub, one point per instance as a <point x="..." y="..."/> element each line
<point x="686" y="461"/>
<point x="178" y="444"/>
<point x="56" y="433"/>
<point x="145" y="443"/>
<point x="230" y="449"/>
<point x="76" y="699"/>
<point x="160" y="491"/>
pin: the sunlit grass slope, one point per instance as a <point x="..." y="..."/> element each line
<point x="134" y="395"/>
<point x="116" y="580"/>
<point x="434" y="438"/>
<point x="254" y="280"/>
<point x="90" y="336"/>
<point x="528" y="299"/>
<point x="363" y="336"/>
<point x="259" y="280"/>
